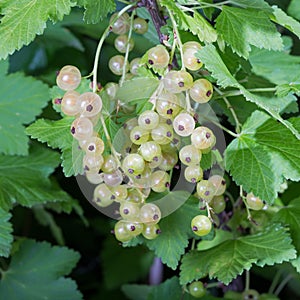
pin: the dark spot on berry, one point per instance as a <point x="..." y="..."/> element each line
<point x="57" y="101"/>
<point x="196" y="118"/>
<point x="125" y="125"/>
<point x="132" y="228"/>
<point x="158" y="231"/>
<point x="188" y="159"/>
<point x="151" y="62"/>
<point x="198" y="61"/>
<point x="113" y="197"/>
<point x="180" y="127"/>
<point x="207" y="193"/>
<point x="155" y="158"/>
<point x="155" y="217"/>
<point x="130" y="171"/>
<point x="86" y="168"/>
<point x="138" y="176"/>
<point x="57" y="72"/>
<point x="98" y="200"/>
<point x="208" y="93"/>
<point x="223" y="182"/>
<point x="207" y="135"/>
<point x="193" y="180"/>
<point x="110" y="28"/>
<point x="137" y="137"/>
<point x="73" y="130"/>
<point x="169" y="121"/>
<point x="175" y="141"/>
<point x="125" y="211"/>
<point x="89" y="108"/>
<point x="112" y="231"/>
<point x="91" y="148"/>
<point x="169" y="111"/>
<point x="176" y="167"/>
<point x="147" y="121"/>
<point x="169" y="134"/>
<point x="181" y="84"/>
<point x="167" y="185"/>
<point x="128" y="149"/>
<point x="147" y="20"/>
<point x="195" y="228"/>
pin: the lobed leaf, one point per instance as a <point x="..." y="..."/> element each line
<point x="227" y="260"/>
<point x="6" y="229"/>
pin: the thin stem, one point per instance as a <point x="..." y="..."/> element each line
<point x="219" y="125"/>
<point x="193" y="244"/>
<point x="101" y="41"/>
<point x="249" y="217"/>
<point x="177" y="38"/>
<point x="188" y="102"/>
<point x="282" y="284"/>
<point x="212" y="285"/>
<point x="208" y="208"/>
<point x="274" y="282"/>
<point x="234" y="115"/>
<point x="127" y="50"/>
<point x="247" y="283"/>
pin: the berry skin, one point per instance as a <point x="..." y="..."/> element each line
<point x="151" y="231"/>
<point x="220" y="184"/>
<point x="177" y="81"/>
<point x="133" y="164"/>
<point x="150" y="150"/>
<point x="190" y="155"/>
<point x="197" y="289"/>
<point x="150" y="214"/>
<point x="184" y="124"/>
<point x="82" y="128"/>
<point x="68" y="78"/>
<point x="139" y="135"/>
<point x="70" y="103"/>
<point x="193" y="173"/>
<point x="203" y="138"/>
<point x="250" y="295"/>
<point x="201" y="91"/>
<point x="134" y="66"/>
<point x="191" y="62"/>
<point x="206" y="190"/>
<point x="158" y="57"/>
<point x="218" y="204"/>
<point x="160" y="181"/>
<point x="201" y="225"/>
<point x="90" y="104"/>
<point x="121" y="43"/>
<point x="121" y="25"/>
<point x="122" y="232"/>
<point x="254" y="202"/>
<point x="162" y="134"/>
<point x="102" y="195"/>
<point x="168" y="105"/>
<point x="130" y="210"/>
<point x="148" y="119"/>
<point x="140" y="25"/>
<point x="116" y="64"/>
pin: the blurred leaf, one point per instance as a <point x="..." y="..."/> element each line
<point x="22" y="99"/>
<point x="6" y="229"/>
<point x="294" y="9"/>
<point x="34" y="14"/>
<point x="36" y="271"/>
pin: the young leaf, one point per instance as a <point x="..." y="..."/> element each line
<point x="290" y="215"/>
<point x="57" y="135"/>
<point x="23" y="99"/>
<point x="175" y="229"/>
<point x="227" y="260"/>
<point x="35" y="14"/>
<point x="96" y="11"/>
<point x="196" y="24"/>
<point x="281" y="18"/>
<point x="36" y="271"/>
<point x="25" y="179"/>
<point x="6" y="229"/>
<point x="241" y="28"/>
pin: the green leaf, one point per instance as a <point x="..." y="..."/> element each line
<point x="277" y="67"/>
<point x="241" y="28"/>
<point x="6" y="229"/>
<point x="24" y="180"/>
<point x="34" y="14"/>
<point x="281" y="18"/>
<point x="22" y="99"/>
<point x="175" y="228"/>
<point x="196" y="24"/>
<point x="290" y="215"/>
<point x="36" y="272"/>
<point x="254" y="4"/>
<point x="57" y="135"/>
<point x="220" y="237"/>
<point x="227" y="260"/>
<point x="216" y="66"/>
<point x="96" y="11"/>
<point x="137" y="291"/>
<point x="122" y="265"/>
<point x="251" y="166"/>
<point x="294" y="9"/>
<point x="138" y="89"/>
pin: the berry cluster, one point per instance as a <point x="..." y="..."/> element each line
<point x="155" y="142"/>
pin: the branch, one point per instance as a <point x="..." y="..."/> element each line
<point x="156" y="16"/>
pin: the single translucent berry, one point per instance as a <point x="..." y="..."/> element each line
<point x="121" y="25"/>
<point x="150" y="214"/>
<point x="140" y="25"/>
<point x="184" y="124"/>
<point x="177" y="81"/>
<point x="82" y="128"/>
<point x="201" y="225"/>
<point x="121" y="42"/>
<point x="197" y="289"/>
<point x="254" y="202"/>
<point x="68" y="78"/>
<point x="201" y="91"/>
<point x="116" y="64"/>
<point x="70" y="103"/>
<point x="158" y="57"/>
